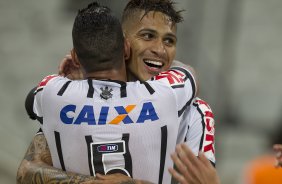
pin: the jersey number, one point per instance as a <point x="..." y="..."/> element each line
<point x="98" y="151"/>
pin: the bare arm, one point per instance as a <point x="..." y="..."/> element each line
<point x="36" y="167"/>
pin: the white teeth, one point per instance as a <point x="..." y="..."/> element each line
<point x="154" y="62"/>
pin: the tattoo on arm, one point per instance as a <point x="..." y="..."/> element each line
<point x="137" y="182"/>
<point x="36" y="167"/>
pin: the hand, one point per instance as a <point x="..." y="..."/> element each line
<point x="117" y="179"/>
<point x="68" y="69"/>
<point x="192" y="170"/>
<point x="111" y="179"/>
<point x="278" y="149"/>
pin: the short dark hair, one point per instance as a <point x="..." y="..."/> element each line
<point x="164" y="6"/>
<point x="98" y="38"/>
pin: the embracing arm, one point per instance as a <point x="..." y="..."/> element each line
<point x="36" y="167"/>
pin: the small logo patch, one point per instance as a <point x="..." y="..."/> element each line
<point x="107" y="148"/>
<point x="106" y="93"/>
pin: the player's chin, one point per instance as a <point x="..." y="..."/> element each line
<point x="148" y="76"/>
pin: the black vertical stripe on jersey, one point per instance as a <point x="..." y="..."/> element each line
<point x="63" y="89"/>
<point x="59" y="149"/>
<point x="185" y="139"/>
<point x="90" y="92"/>
<point x="40" y="119"/>
<point x="180" y="112"/>
<point x="203" y="125"/>
<point x="123" y="92"/>
<point x="89" y="140"/>
<point x="127" y="155"/>
<point x="163" y="152"/>
<point x="149" y="87"/>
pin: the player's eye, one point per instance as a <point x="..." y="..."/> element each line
<point x="170" y="41"/>
<point x="147" y="36"/>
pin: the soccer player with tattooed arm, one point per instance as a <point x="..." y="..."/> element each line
<point x="152" y="40"/>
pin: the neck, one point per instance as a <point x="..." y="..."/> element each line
<point x="131" y="76"/>
<point x="113" y="74"/>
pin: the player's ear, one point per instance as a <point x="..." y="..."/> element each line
<point x="75" y="60"/>
<point x="126" y="49"/>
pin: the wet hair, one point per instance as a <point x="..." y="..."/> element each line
<point x="164" y="6"/>
<point x="97" y="38"/>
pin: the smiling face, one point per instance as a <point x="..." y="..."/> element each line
<point x="153" y="44"/>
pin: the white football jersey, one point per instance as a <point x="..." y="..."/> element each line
<point x="96" y="126"/>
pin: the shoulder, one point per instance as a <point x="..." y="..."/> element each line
<point x="174" y="76"/>
<point x="46" y="81"/>
<point x="201" y="105"/>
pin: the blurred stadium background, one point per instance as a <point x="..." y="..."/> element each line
<point x="235" y="46"/>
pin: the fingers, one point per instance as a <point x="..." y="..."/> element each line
<point x="189" y="155"/>
<point x="178" y="163"/>
<point x="65" y="65"/>
<point x="204" y="159"/>
<point x="184" y="165"/>
<point x="188" y="159"/>
<point x="278" y="149"/>
<point x="194" y="165"/>
<point x="69" y="69"/>
<point x="177" y="176"/>
<point x="192" y="169"/>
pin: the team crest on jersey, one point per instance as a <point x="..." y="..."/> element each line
<point x="106" y="93"/>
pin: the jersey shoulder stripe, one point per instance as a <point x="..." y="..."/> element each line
<point x="187" y="75"/>
<point x="174" y="76"/>
<point x="63" y="89"/>
<point x="44" y="82"/>
<point x="90" y="92"/>
<point x="148" y="87"/>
